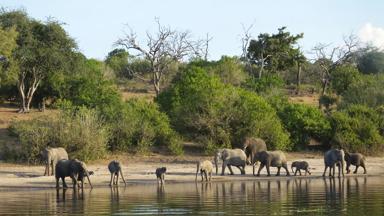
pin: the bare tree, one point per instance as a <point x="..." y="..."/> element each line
<point x="329" y="58"/>
<point x="162" y="49"/>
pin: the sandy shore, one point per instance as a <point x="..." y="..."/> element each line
<point x="140" y="170"/>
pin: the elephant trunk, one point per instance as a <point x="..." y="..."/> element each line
<point x="342" y="162"/>
<point x="89" y="181"/>
<point x="122" y="176"/>
<point x="197" y="170"/>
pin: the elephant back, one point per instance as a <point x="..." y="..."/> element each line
<point x="114" y="166"/>
<point x="278" y="158"/>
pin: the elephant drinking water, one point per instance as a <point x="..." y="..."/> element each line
<point x="71" y="168"/>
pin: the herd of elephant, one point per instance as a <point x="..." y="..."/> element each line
<point x="254" y="151"/>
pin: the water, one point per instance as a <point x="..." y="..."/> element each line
<point x="300" y="196"/>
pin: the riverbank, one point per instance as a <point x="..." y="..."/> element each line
<point x="140" y="170"/>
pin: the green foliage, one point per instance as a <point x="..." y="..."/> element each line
<point x="79" y="131"/>
<point x="117" y="59"/>
<point x="371" y="62"/>
<point x="140" y="125"/>
<point x="264" y="84"/>
<point x="276" y="51"/>
<point x="368" y="90"/>
<point x="357" y="129"/>
<point x="203" y="108"/>
<point x="230" y="70"/>
<point x="328" y="100"/>
<point x="343" y="77"/>
<point x="303" y="123"/>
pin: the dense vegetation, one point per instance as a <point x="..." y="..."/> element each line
<point x="213" y="103"/>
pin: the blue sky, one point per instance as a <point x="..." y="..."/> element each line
<point x="96" y="25"/>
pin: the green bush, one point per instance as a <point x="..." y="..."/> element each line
<point x="357" y="129"/>
<point x="368" y="90"/>
<point x="204" y="109"/>
<point x="342" y="77"/>
<point x="303" y="123"/>
<point x="264" y="84"/>
<point x="79" y="131"/>
<point x="140" y="125"/>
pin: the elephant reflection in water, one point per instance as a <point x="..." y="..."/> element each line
<point x="204" y="191"/>
<point x="356" y="184"/>
<point x="334" y="189"/>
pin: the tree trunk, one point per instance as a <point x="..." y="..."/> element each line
<point x="298" y="82"/>
<point x="26" y="99"/>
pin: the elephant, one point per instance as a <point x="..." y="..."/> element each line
<point x="355" y="159"/>
<point x="231" y="157"/>
<point x="206" y="168"/>
<point x="300" y="165"/>
<point x="272" y="159"/>
<point x="332" y="158"/>
<point x="80" y="178"/>
<point x="51" y="156"/>
<point x="115" y="169"/>
<point x="251" y="147"/>
<point x="160" y="174"/>
<point x="72" y="168"/>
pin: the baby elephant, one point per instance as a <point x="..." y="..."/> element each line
<point x="206" y="168"/>
<point x="300" y="165"/>
<point x="114" y="168"/>
<point x="356" y="159"/>
<point x="160" y="173"/>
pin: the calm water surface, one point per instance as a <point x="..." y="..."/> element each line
<point x="300" y="196"/>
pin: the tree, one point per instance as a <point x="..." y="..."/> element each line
<point x="371" y="62"/>
<point x="329" y="59"/>
<point x="117" y="59"/>
<point x="273" y="52"/>
<point x="42" y="48"/>
<point x="162" y="49"/>
<point x="7" y="45"/>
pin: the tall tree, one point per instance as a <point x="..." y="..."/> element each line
<point x="42" y="48"/>
<point x="7" y="45"/>
<point x="162" y="49"/>
<point x="371" y="61"/>
<point x="330" y="57"/>
<point x="274" y="52"/>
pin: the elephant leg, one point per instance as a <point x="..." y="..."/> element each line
<point x="241" y="168"/>
<point x="268" y="170"/>
<point x="202" y="175"/>
<point x="253" y="168"/>
<point x="54" y="167"/>
<point x="348" y="170"/>
<point x="325" y="170"/>
<point x="260" y="168"/>
<point x="278" y="171"/>
<point x="206" y="176"/>
<point x="365" y="171"/>
<point x="46" y="169"/>
<point x="117" y="178"/>
<point x="243" y="173"/>
<point x="223" y="167"/>
<point x="357" y="167"/>
<point x="64" y="184"/>
<point x="286" y="169"/>
<point x="210" y="176"/>
<point x="57" y="182"/>
<point x="110" y="182"/>
<point x="300" y="172"/>
<point x="230" y="169"/>
<point x="296" y="171"/>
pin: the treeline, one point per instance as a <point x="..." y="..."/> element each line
<point x="214" y="103"/>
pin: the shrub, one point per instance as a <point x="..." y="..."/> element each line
<point x="203" y="108"/>
<point x="357" y="129"/>
<point x="368" y="90"/>
<point x="303" y="123"/>
<point x="264" y="84"/>
<point x="79" y="131"/>
<point x="140" y="125"/>
<point x="342" y="77"/>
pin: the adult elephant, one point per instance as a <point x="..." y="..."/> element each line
<point x="332" y="158"/>
<point x="272" y="159"/>
<point x="251" y="147"/>
<point x="71" y="168"/>
<point x="231" y="157"/>
<point x="51" y="156"/>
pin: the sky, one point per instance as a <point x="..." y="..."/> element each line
<point x="97" y="24"/>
